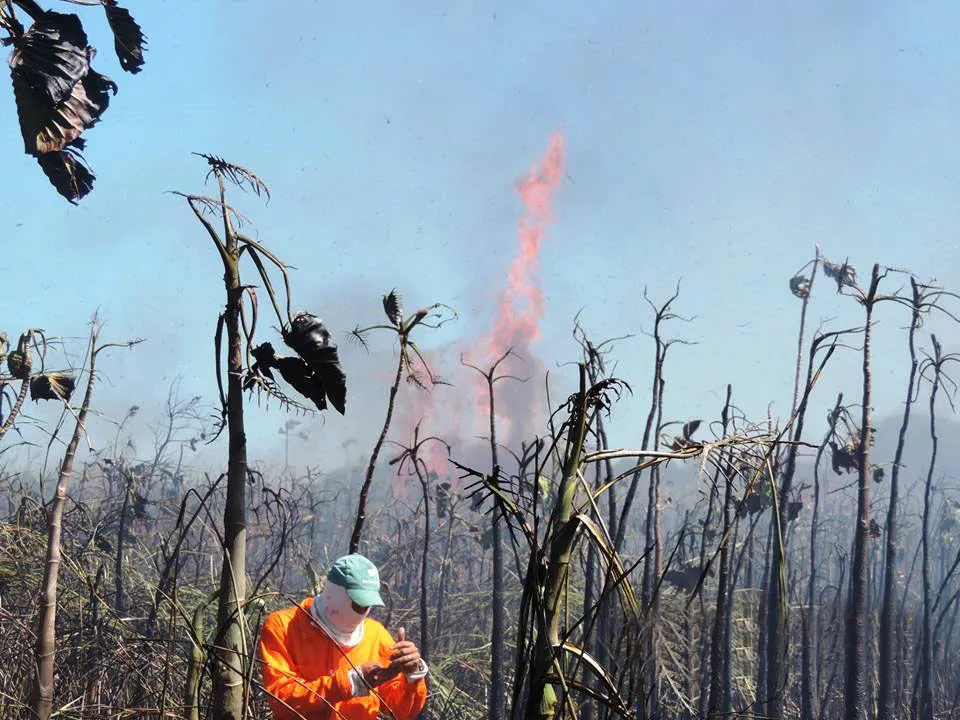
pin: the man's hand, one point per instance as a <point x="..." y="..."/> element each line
<point x="374" y="674"/>
<point x="404" y="656"/>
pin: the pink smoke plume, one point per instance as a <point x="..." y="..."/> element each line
<point x="520" y="309"/>
<point x="460" y="415"/>
<point x="521" y="305"/>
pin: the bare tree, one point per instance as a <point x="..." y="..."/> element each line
<point x="315" y="374"/>
<point x="934" y="370"/>
<point x="498" y="687"/>
<point x="855" y="673"/>
<point x="886" y="709"/>
<point x="431" y="317"/>
<point x="41" y="702"/>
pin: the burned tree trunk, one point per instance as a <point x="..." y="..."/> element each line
<point x="718" y="700"/>
<point x="888" y="621"/>
<point x="926" y="647"/>
<point x="41" y="699"/>
<point x="855" y="694"/>
<point x="229" y="674"/>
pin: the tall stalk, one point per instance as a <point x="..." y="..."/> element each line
<point x="777" y="617"/>
<point x="411" y="455"/>
<point x="855" y="674"/>
<point x="496" y="709"/>
<point x="544" y="696"/>
<point x="41" y="699"/>
<point x="372" y="462"/>
<point x="809" y="679"/>
<point x="229" y="674"/>
<point x="231" y="668"/>
<point x="888" y="622"/>
<point x="402" y="327"/>
<point x="717" y="705"/>
<point x="935" y="364"/>
<point x="661" y="315"/>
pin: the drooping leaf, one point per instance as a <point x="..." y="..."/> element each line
<point x="58" y="97"/>
<point x="690" y="428"/>
<point x="128" y="39"/>
<point x="308" y="337"/>
<point x="52" y="386"/>
<point x="52" y="56"/>
<point x="80" y="111"/>
<point x="68" y="173"/>
<point x="265" y="358"/>
<point x="297" y="373"/>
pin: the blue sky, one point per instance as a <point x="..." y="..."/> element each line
<point x="711" y="143"/>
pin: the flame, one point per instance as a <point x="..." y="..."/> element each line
<point x="521" y="305"/>
<point x="517" y="327"/>
<point x="520" y="309"/>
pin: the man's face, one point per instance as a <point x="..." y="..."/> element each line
<point x="359" y="609"/>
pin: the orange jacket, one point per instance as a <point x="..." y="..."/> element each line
<point x="305" y="671"/>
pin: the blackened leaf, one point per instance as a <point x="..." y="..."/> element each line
<point x="331" y="375"/>
<point x="79" y="112"/>
<point x="391" y="306"/>
<point x="17" y="365"/>
<point x="690" y="428"/>
<point x="299" y="376"/>
<point x="266" y="358"/>
<point x="68" y="173"/>
<point x="793" y="510"/>
<point x="311" y="341"/>
<point x="58" y="97"/>
<point x="52" y="56"/>
<point x="52" y="386"/>
<point x="306" y="335"/>
<point x="128" y="38"/>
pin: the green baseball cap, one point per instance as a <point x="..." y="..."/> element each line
<point x="359" y="577"/>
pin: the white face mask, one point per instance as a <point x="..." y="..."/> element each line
<point x="333" y="611"/>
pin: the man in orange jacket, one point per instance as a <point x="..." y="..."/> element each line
<point x="324" y="659"/>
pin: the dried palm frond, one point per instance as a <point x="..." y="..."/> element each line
<point x="211" y="206"/>
<point x="128" y="39"/>
<point x="255" y="380"/>
<point x="52" y="386"/>
<point x="843" y="274"/>
<point x="238" y="175"/>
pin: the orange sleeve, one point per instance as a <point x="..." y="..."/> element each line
<point x="404" y="699"/>
<point x="286" y="689"/>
